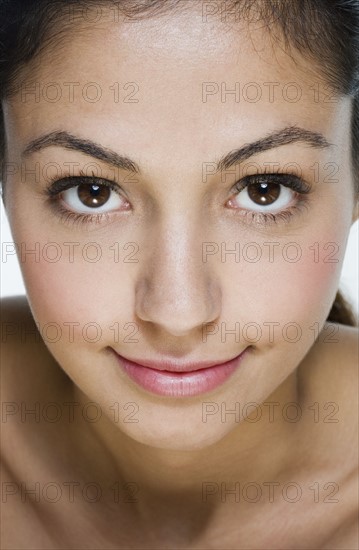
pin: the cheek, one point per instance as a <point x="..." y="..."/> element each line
<point x="316" y="280"/>
<point x="308" y="289"/>
<point x="88" y="296"/>
<point x="297" y="284"/>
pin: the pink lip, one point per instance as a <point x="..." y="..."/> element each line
<point x="172" y="379"/>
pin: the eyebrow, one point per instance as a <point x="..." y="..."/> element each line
<point x="75" y="143"/>
<point x="290" y="134"/>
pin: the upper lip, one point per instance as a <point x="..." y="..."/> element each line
<point x="175" y="366"/>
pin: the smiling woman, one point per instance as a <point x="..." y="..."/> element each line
<point x="180" y="178"/>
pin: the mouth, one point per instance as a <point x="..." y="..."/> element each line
<point x="174" y="379"/>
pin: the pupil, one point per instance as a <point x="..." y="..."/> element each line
<point x="95" y="189"/>
<point x="264" y="193"/>
<point x="93" y="195"/>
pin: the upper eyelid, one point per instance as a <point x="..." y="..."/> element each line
<point x="70" y="182"/>
<point x="282" y="177"/>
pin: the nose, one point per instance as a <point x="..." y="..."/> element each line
<point x="176" y="291"/>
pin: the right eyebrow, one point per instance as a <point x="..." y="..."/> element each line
<point x="86" y="146"/>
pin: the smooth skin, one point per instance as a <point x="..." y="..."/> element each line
<point x="171" y="455"/>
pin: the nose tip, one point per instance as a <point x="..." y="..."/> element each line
<point x="180" y="309"/>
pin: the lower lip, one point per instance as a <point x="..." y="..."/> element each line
<point x="180" y="384"/>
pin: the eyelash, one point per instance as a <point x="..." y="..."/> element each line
<point x="57" y="186"/>
<point x="289" y="180"/>
<point x="298" y="185"/>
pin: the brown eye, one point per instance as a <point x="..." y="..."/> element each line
<point x="264" y="193"/>
<point x="93" y="195"/>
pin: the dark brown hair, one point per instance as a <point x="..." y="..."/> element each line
<point x="324" y="31"/>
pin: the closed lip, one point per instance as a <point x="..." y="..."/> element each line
<point x="170" y="365"/>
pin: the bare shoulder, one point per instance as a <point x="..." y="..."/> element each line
<point x="18" y="328"/>
<point x="332" y="364"/>
<point x="30" y="380"/>
<point x="18" y="338"/>
<point x="330" y="392"/>
<point x="339" y="342"/>
<point x="23" y="352"/>
<point x="340" y="364"/>
<point x="29" y="374"/>
<point x="331" y="371"/>
<point x="24" y="355"/>
<point x="14" y="514"/>
<point x="346" y="537"/>
<point x="16" y="318"/>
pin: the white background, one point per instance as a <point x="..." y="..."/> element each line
<point x="12" y="284"/>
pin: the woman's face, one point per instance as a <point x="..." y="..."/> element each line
<point x="182" y="262"/>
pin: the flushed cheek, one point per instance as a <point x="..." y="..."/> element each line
<point x="319" y="272"/>
<point x="87" y="303"/>
<point x="284" y="290"/>
<point x="311" y="287"/>
<point x="310" y="290"/>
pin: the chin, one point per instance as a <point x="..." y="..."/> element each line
<point x="186" y="443"/>
<point x="177" y="436"/>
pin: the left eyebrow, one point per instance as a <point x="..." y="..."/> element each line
<point x="290" y="134"/>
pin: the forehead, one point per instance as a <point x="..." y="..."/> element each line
<point x="182" y="76"/>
